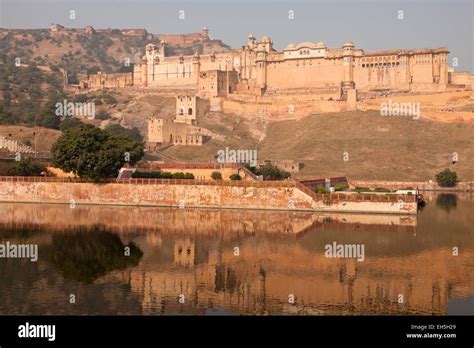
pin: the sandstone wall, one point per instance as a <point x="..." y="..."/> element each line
<point x="199" y="195"/>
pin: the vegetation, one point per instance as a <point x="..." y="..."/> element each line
<point x="94" y="153"/>
<point x="26" y="167"/>
<point x="29" y="95"/>
<point x="162" y="175"/>
<point x="361" y="189"/>
<point x="447" y="178"/>
<point x="381" y="189"/>
<point x="69" y="122"/>
<point x="269" y="172"/>
<point x="235" y="177"/>
<point x="340" y="187"/>
<point x="216" y="175"/>
<point x="131" y="133"/>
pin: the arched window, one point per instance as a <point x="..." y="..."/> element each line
<point x="190" y="111"/>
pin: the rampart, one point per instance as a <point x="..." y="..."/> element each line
<point x="267" y="195"/>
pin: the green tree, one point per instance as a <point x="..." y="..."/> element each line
<point x="235" y="177"/>
<point x="69" y="122"/>
<point x="447" y="178"/>
<point x="269" y="172"/>
<point x="94" y="153"/>
<point x="25" y="167"/>
<point x="133" y="133"/>
<point x="216" y="175"/>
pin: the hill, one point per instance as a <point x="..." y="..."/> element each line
<point x="379" y="148"/>
<point x="87" y="50"/>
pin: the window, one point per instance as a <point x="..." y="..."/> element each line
<point x="190" y="111"/>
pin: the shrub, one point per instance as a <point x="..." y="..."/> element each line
<point x="188" y="176"/>
<point x="69" y="122"/>
<point x="108" y="99"/>
<point x="25" y="167"/>
<point x="216" y="176"/>
<point x="381" y="189"/>
<point x="321" y="190"/>
<point x="361" y="189"/>
<point x="102" y="115"/>
<point x="178" y="175"/>
<point x="340" y="187"/>
<point x="146" y="175"/>
<point x="447" y="178"/>
<point x="235" y="177"/>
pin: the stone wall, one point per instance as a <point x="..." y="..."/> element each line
<point x="205" y="195"/>
<point x="421" y="185"/>
<point x="14" y="146"/>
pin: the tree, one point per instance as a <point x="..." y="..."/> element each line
<point x="216" y="175"/>
<point x="269" y="172"/>
<point x="94" y="153"/>
<point x="69" y="122"/>
<point x="447" y="178"/>
<point x="25" y="167"/>
<point x="235" y="177"/>
<point x="102" y="115"/>
<point x="133" y="133"/>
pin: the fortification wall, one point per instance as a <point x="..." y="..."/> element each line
<point x="277" y="108"/>
<point x="272" y="196"/>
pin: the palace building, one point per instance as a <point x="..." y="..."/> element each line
<point x="258" y="67"/>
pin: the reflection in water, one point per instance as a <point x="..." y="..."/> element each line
<point x="447" y="201"/>
<point x="84" y="256"/>
<point x="236" y="262"/>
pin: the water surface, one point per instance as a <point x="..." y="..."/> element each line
<point x="238" y="262"/>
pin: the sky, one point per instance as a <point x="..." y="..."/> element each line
<point x="370" y="24"/>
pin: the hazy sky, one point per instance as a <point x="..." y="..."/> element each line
<point x="369" y="24"/>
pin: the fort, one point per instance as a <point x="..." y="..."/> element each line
<point x="258" y="68"/>
<point x="302" y="79"/>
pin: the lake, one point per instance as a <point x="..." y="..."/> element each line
<point x="166" y="261"/>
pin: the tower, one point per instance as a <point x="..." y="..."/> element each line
<point x="443" y="69"/>
<point x="261" y="63"/>
<point x="405" y="70"/>
<point x="205" y="33"/>
<point x="196" y="67"/>
<point x="348" y="66"/>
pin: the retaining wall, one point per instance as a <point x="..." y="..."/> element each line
<point x="186" y="194"/>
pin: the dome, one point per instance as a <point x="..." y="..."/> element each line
<point x="251" y="37"/>
<point x="320" y="44"/>
<point x="265" y="39"/>
<point x="290" y="46"/>
<point x="205" y="29"/>
<point x="306" y="44"/>
<point x="348" y="43"/>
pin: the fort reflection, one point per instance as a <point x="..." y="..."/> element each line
<point x="192" y="252"/>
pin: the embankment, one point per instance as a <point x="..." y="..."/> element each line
<point x="288" y="195"/>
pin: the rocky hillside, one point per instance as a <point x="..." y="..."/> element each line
<point x="88" y="50"/>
